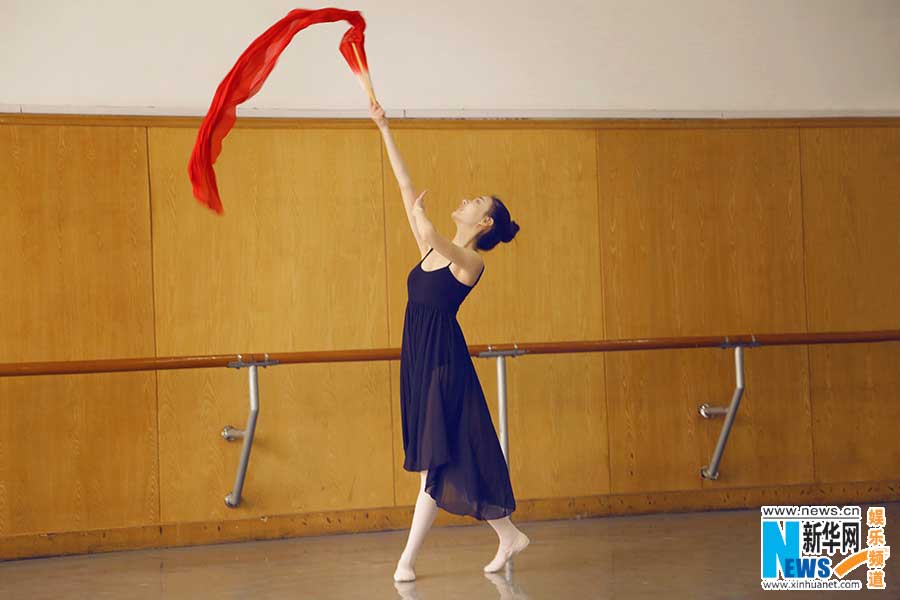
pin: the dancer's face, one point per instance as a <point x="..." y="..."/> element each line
<point x="474" y="212"/>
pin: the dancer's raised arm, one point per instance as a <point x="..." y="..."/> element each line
<point x="400" y="173"/>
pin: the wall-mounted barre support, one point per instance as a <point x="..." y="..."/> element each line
<point x="502" y="406"/>
<point x="501" y="391"/>
<point x="711" y="471"/>
<point x="230" y="434"/>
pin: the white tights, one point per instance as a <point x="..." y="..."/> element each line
<point x="423" y="517"/>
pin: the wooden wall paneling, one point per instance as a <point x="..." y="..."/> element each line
<point x="851" y="201"/>
<point x="76" y="234"/>
<point x="698" y="230"/>
<point x="558" y="443"/>
<point x="701" y="234"/>
<point x="295" y="263"/>
<point x="76" y="452"/>
<point x="322" y="441"/>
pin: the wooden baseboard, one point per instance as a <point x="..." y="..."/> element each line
<point x="169" y="535"/>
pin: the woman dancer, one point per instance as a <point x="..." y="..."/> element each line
<point x="448" y="435"/>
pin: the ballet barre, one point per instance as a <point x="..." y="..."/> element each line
<point x="498" y="351"/>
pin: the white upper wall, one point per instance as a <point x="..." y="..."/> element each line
<point x="465" y="57"/>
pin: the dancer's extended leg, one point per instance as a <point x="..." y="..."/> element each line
<point x="423" y="517"/>
<point x="512" y="541"/>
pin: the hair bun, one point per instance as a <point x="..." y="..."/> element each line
<point x="511" y="232"/>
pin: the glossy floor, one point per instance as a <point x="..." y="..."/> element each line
<point x="688" y="555"/>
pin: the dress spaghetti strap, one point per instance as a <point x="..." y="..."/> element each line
<point x="479" y="275"/>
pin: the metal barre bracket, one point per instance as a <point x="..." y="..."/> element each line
<point x="240" y="363"/>
<point x="491" y="353"/>
<point x="729" y="344"/>
<point x="711" y="471"/>
<point x="707" y="411"/>
<point x="229" y="433"/>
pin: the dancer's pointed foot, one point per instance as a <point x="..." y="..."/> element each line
<point x="404" y="571"/>
<point x="504" y="553"/>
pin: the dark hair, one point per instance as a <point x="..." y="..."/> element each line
<point x="503" y="230"/>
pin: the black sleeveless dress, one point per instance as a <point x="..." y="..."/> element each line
<point x="447" y="426"/>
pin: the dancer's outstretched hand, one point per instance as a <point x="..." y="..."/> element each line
<point x="377" y="114"/>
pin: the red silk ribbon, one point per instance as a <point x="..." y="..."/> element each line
<point x="246" y="78"/>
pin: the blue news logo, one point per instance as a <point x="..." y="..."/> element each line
<point x="782" y="556"/>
